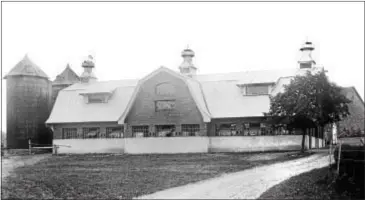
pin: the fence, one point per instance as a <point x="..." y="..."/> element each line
<point x="35" y="146"/>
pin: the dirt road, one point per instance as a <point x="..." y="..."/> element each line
<point x="247" y="184"/>
<point x="9" y="164"/>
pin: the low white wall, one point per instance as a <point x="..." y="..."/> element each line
<point x="166" y="145"/>
<point x="255" y="143"/>
<point x="171" y="145"/>
<point x="80" y="146"/>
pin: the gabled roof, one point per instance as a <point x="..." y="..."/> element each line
<point x="67" y="77"/>
<point x="26" y="67"/>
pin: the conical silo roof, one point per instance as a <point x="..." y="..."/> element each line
<point x="26" y="68"/>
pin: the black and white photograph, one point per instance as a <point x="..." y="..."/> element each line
<point x="182" y="100"/>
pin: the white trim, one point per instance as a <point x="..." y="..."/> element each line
<point x="206" y="117"/>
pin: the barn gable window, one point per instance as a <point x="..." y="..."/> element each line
<point x="69" y="133"/>
<point x="165" y="89"/>
<point x="164" y="105"/>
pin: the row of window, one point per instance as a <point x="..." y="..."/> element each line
<point x="93" y="132"/>
<point x="137" y="131"/>
<point x="248" y="129"/>
<point x="252" y="129"/>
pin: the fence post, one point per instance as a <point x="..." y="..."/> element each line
<point x="339" y="158"/>
<point x="330" y="153"/>
<point x="30" y="146"/>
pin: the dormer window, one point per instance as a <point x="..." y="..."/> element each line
<point x="256" y="89"/>
<point x="96" y="97"/>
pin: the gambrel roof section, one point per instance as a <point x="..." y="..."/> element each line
<point x="193" y="86"/>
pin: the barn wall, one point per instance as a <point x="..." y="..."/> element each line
<point x="143" y="110"/>
<point x="28" y="107"/>
<point x="81" y="146"/>
<point x="166" y="145"/>
<point x="356" y="119"/>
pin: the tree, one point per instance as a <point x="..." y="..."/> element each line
<point x="310" y="100"/>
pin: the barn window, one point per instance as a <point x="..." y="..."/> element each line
<point x="165" y="130"/>
<point x="93" y="132"/>
<point x="257" y="89"/>
<point x="139" y="131"/>
<point x="164" y="105"/>
<point x="114" y="132"/>
<point x="190" y="129"/>
<point x="69" y="133"/>
<point x="226" y="129"/>
<point x="165" y="89"/>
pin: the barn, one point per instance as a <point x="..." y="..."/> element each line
<point x="171" y="111"/>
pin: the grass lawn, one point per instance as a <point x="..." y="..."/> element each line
<point x="309" y="185"/>
<point x="97" y="176"/>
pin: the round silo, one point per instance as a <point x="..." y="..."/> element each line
<point x="28" y="96"/>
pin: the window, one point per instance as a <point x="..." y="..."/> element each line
<point x="69" y="133"/>
<point x="139" y="131"/>
<point x="190" y="129"/>
<point x="226" y="129"/>
<point x="93" y="132"/>
<point x="93" y="99"/>
<point x="114" y="132"/>
<point x="165" y="89"/>
<point x="257" y="89"/>
<point x="164" y="105"/>
<point x="165" y="130"/>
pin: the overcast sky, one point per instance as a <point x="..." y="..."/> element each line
<point x="130" y="40"/>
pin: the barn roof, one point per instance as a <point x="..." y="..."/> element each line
<point x="216" y="96"/>
<point x="67" y="77"/>
<point x="26" y="67"/>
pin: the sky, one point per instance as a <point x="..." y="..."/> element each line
<point x="130" y="40"/>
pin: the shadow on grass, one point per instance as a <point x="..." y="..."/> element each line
<point x="103" y="176"/>
<point x="315" y="184"/>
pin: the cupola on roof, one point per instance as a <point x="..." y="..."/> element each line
<point x="26" y="68"/>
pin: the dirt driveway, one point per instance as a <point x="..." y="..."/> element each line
<point x="247" y="184"/>
<point x="12" y="162"/>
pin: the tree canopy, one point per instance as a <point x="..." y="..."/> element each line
<point x="311" y="97"/>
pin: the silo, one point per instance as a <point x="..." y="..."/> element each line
<point x="28" y="96"/>
<point x="63" y="80"/>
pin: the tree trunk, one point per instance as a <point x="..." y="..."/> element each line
<point x="303" y="140"/>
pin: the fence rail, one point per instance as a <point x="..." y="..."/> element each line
<point x="54" y="147"/>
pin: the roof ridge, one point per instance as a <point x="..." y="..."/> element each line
<point x="257" y="70"/>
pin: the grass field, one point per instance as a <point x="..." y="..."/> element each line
<point x="124" y="176"/>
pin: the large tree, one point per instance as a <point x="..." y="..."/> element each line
<point x="309" y="100"/>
